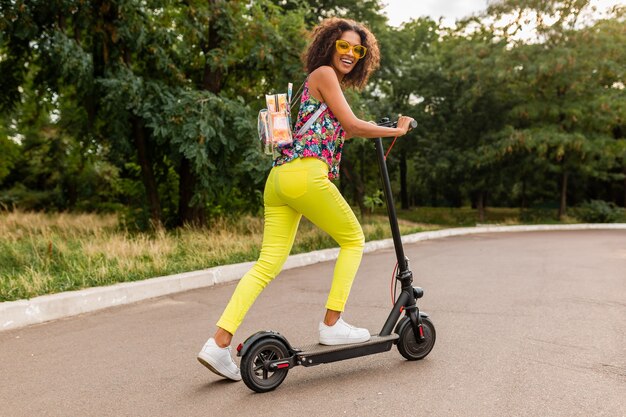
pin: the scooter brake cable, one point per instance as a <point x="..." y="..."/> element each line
<point x="392" y="289"/>
<point x="389" y="150"/>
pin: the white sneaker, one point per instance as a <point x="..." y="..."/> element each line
<point x="219" y="360"/>
<point x="341" y="333"/>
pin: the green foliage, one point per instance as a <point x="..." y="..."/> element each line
<point x="599" y="211"/>
<point x="373" y="201"/>
<point x="443" y="216"/>
<point x="568" y="104"/>
<point x="365" y="11"/>
<point x="27" y="199"/>
<point x="10" y="153"/>
<point x="148" y="108"/>
<point x="136" y="89"/>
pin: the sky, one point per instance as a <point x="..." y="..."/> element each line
<point x="400" y="11"/>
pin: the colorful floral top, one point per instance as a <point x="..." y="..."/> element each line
<point x="324" y="140"/>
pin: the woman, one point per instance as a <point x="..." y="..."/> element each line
<point x="343" y="54"/>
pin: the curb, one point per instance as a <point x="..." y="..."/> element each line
<point x="16" y="314"/>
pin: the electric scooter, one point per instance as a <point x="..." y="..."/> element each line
<point x="267" y="356"/>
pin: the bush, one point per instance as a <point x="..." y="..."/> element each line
<point x="538" y="215"/>
<point x="28" y="200"/>
<point x="599" y="211"/>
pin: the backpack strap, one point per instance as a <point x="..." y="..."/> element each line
<point x="312" y="119"/>
<point x="297" y="100"/>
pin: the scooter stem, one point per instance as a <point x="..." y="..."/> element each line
<point x="391" y="210"/>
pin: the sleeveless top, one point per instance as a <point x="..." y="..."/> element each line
<point x="324" y="139"/>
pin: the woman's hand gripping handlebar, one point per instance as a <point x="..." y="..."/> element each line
<point x="404" y="123"/>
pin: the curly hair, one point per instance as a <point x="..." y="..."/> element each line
<point x="321" y="50"/>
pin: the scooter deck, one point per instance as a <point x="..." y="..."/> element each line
<point x="315" y="354"/>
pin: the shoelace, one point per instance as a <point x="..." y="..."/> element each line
<point x="349" y="325"/>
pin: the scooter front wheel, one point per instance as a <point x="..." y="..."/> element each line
<point x="413" y="349"/>
<point x="254" y="369"/>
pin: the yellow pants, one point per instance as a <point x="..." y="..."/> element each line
<point x="300" y="187"/>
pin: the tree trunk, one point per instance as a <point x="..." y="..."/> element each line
<point x="186" y="185"/>
<point x="147" y="174"/>
<point x="434" y="195"/>
<point x="212" y="79"/>
<point x="404" y="192"/>
<point x="140" y="137"/>
<point x="480" y="205"/>
<point x="563" y="204"/>
<point x="625" y="187"/>
<point x="347" y="170"/>
<point x="71" y="192"/>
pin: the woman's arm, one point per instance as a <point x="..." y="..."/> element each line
<point x="324" y="86"/>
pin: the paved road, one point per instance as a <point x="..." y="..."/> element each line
<point x="528" y="324"/>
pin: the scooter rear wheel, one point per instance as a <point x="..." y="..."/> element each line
<point x="410" y="348"/>
<point x="254" y="370"/>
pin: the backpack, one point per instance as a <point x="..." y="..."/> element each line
<point x="274" y="122"/>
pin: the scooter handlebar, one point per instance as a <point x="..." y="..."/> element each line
<point x="386" y="122"/>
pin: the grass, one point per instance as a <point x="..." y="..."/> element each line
<point x="49" y="253"/>
<point x="466" y="216"/>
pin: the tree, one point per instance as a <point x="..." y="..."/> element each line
<point x="462" y="85"/>
<point x="9" y="150"/>
<point x="368" y="12"/>
<point x="407" y="56"/>
<point x="569" y="91"/>
<point x="163" y="83"/>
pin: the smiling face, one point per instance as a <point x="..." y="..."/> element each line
<point x="344" y="63"/>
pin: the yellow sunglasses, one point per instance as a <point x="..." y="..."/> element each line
<point x="343" y="47"/>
